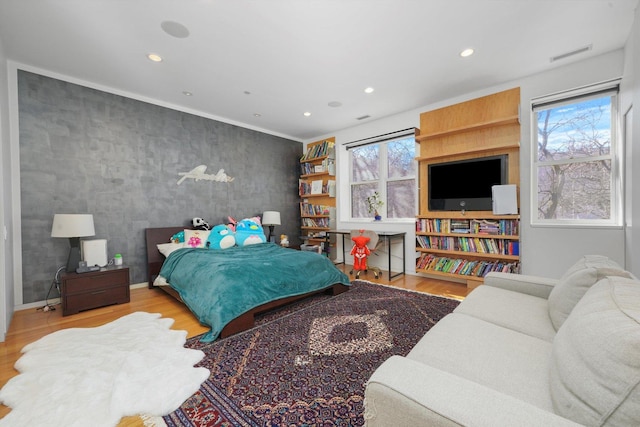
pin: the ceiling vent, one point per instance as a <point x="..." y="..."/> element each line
<point x="573" y="52"/>
<point x="363" y="117"/>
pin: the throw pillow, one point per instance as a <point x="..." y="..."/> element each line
<point x="595" y="368"/>
<point x="576" y="281"/>
<point x="166" y="248"/>
<point x="195" y="238"/>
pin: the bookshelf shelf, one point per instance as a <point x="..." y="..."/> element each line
<point x="480" y="236"/>
<point x="317" y="192"/>
<point x="470" y="128"/>
<point x="469" y="254"/>
<point x="304" y="196"/>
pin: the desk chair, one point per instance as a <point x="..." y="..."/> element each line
<point x="365" y="243"/>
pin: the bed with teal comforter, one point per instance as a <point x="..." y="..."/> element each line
<point x="220" y="285"/>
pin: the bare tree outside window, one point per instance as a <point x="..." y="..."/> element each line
<point x="574" y="159"/>
<point x="388" y="168"/>
<point x="401" y="192"/>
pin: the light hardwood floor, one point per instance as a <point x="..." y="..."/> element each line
<point x="32" y="324"/>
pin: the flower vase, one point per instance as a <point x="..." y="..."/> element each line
<point x="377" y="216"/>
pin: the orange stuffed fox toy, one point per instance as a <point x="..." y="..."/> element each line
<point x="360" y="252"/>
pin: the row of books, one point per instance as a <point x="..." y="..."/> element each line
<point x="327" y="165"/>
<point x="464" y="226"/>
<point x="502" y="226"/>
<point x="311" y="209"/>
<point x="470" y="244"/>
<point x="316" y="222"/>
<point x="464" y="267"/>
<point x="325" y="148"/>
<point x="317" y="187"/>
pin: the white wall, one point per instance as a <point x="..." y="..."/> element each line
<point x="544" y="251"/>
<point x="6" y="260"/>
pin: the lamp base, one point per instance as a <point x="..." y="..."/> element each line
<point x="74" y="255"/>
<point x="271" y="238"/>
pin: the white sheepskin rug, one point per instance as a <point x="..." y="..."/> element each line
<point x="95" y="376"/>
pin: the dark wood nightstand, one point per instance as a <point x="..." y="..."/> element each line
<point x="83" y="291"/>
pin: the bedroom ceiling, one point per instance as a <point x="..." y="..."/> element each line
<point x="263" y="64"/>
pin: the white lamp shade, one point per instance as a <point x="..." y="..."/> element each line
<point x="72" y="225"/>
<point x="271" y="218"/>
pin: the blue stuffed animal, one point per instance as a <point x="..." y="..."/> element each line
<point x="249" y="232"/>
<point x="221" y="237"/>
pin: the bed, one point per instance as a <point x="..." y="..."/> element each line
<point x="226" y="289"/>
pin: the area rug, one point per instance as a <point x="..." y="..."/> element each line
<point x="308" y="365"/>
<point x="95" y="376"/>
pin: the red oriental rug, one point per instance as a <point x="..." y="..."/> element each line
<point x="307" y="364"/>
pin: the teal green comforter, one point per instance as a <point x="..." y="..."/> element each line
<point x="220" y="285"/>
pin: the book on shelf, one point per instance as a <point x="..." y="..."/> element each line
<point x="316" y="187"/>
<point x="325" y="148"/>
<point x="331" y="188"/>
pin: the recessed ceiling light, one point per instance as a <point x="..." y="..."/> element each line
<point x="257" y="115"/>
<point x="175" y="29"/>
<point x="187" y="93"/>
<point x="306" y="114"/>
<point x="369" y="90"/>
<point x="466" y="52"/>
<point x="154" y="57"/>
<point x="335" y="104"/>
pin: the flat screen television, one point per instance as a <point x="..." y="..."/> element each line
<point x="466" y="184"/>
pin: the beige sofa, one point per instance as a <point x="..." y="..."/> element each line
<point x="523" y="351"/>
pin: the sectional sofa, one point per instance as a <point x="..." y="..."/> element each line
<point x="523" y="351"/>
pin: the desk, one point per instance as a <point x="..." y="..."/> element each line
<point x="387" y="236"/>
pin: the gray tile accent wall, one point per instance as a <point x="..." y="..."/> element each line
<point x="87" y="151"/>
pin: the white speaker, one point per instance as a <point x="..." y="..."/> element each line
<point x="94" y="252"/>
<point x="504" y="199"/>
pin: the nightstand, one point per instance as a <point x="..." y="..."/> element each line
<point x="84" y="291"/>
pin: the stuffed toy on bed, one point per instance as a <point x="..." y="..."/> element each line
<point x="200" y="224"/>
<point x="249" y="232"/>
<point x="221" y="237"/>
<point x="178" y="237"/>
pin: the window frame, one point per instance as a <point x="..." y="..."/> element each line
<point x="383" y="179"/>
<point x="610" y="88"/>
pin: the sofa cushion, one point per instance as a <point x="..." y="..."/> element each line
<point x="514" y="310"/>
<point x="595" y="362"/>
<point x="499" y="358"/>
<point x="576" y="281"/>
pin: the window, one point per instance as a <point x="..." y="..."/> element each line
<point x="386" y="167"/>
<point x="576" y="171"/>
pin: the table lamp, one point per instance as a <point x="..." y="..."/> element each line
<point x="271" y="219"/>
<point x="73" y="226"/>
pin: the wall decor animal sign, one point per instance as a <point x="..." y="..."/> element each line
<point x="198" y="174"/>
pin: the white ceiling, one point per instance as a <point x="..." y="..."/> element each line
<point x="280" y="58"/>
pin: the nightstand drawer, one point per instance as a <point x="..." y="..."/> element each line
<point x="87" y="282"/>
<point x="96" y="298"/>
<point x="95" y="289"/>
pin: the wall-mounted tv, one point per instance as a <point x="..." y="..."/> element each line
<point x="466" y="184"/>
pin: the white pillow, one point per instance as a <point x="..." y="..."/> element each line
<point x="595" y="368"/>
<point x="166" y="248"/>
<point x="195" y="238"/>
<point x="576" y="281"/>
